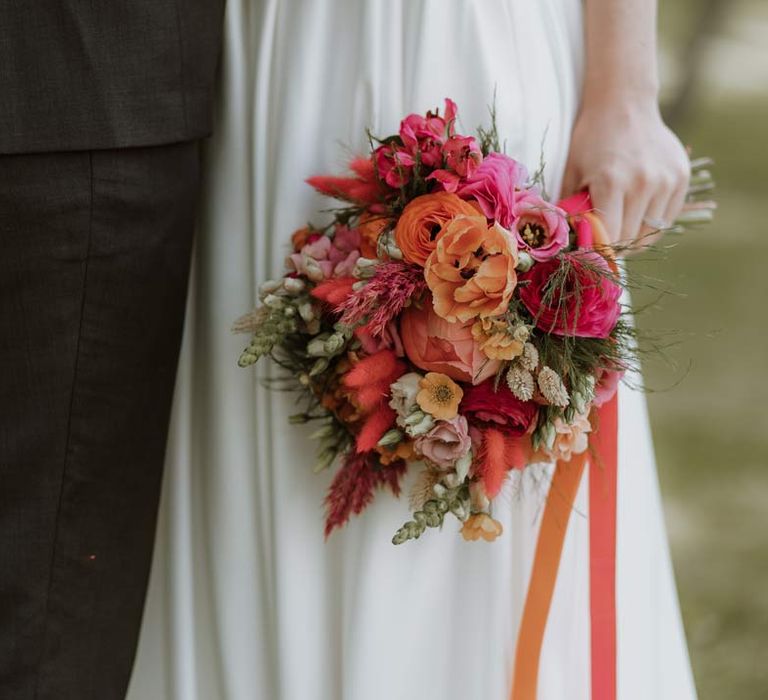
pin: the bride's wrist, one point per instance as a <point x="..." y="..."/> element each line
<point x="622" y="100"/>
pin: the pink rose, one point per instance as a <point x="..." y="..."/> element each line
<point x="499" y="408"/>
<point x="540" y="227"/>
<point x="592" y="313"/>
<point x="436" y="345"/>
<point x="494" y="186"/>
<point x="446" y="442"/>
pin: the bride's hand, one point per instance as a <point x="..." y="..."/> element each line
<point x="634" y="166"/>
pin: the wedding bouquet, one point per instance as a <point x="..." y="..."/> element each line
<point x="449" y="319"/>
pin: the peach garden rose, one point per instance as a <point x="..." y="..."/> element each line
<point x="471" y="272"/>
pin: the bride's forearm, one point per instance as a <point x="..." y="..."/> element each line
<point x="621" y="62"/>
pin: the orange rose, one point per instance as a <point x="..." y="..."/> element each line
<point x="471" y="272"/>
<point x="420" y="223"/>
<point x="370" y="227"/>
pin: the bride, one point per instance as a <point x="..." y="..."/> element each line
<point x="247" y="601"/>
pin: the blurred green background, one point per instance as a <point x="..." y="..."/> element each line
<point x="707" y="410"/>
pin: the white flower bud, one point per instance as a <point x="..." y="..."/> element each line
<point x="390" y="438"/>
<point x="307" y="311"/>
<point x="270" y="286"/>
<point x="463" y="464"/>
<point x="314" y="271"/>
<point x="335" y="343"/>
<point x="316" y="347"/>
<point x="365" y="268"/>
<point x="294" y="285"/>
<point x="451" y="481"/>
<point x="524" y="261"/>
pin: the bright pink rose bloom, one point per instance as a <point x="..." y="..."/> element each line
<point x="427" y="134"/>
<point x="607" y="385"/>
<point x="540" y="227"/>
<point x="446" y="442"/>
<point x="436" y="345"/>
<point x="494" y="186"/>
<point x="462" y="158"/>
<point x="499" y="409"/>
<point x="592" y="313"/>
<point x="394" y="165"/>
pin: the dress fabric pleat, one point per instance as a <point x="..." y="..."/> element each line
<point x="247" y="601"/>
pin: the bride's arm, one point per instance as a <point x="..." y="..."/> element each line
<point x="635" y="167"/>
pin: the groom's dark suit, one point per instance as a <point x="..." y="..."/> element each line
<point x="102" y="105"/>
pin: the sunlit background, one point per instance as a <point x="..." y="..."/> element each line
<point x="711" y="428"/>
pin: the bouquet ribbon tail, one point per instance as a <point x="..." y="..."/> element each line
<point x="603" y="467"/>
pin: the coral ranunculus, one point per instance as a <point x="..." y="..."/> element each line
<point x="436" y="345"/>
<point x="471" y="272"/>
<point x="423" y="219"/>
<point x="499" y="408"/>
<point x="587" y="303"/>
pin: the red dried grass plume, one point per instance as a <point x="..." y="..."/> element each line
<point x="499" y="453"/>
<point x="352" y="489"/>
<point x="364" y="188"/>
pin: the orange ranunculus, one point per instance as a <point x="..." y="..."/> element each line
<point x="435" y="345"/>
<point x="422" y="220"/>
<point x="471" y="272"/>
<point x="370" y="228"/>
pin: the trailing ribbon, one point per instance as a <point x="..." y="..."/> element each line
<point x="602" y="459"/>
<point x="603" y="467"/>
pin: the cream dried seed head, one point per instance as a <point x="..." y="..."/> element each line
<point x="552" y="387"/>
<point x="520" y="383"/>
<point x="530" y="357"/>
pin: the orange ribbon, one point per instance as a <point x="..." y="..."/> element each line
<point x="603" y="463"/>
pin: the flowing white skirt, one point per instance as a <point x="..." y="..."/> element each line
<point x="247" y="602"/>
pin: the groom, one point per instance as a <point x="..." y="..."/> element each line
<point x="102" y="108"/>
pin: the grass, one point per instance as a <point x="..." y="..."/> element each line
<point x="711" y="429"/>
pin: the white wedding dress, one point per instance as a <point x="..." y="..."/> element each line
<point x="247" y="602"/>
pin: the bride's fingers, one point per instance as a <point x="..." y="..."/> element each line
<point x="609" y="204"/>
<point x="655" y="221"/>
<point x="636" y="205"/>
<point x="676" y="203"/>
